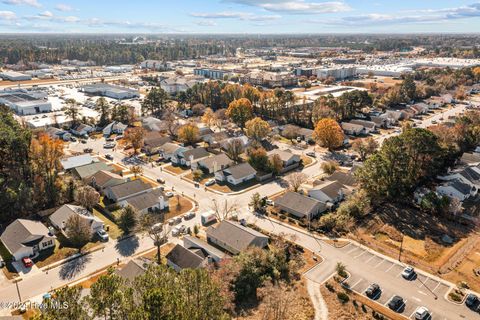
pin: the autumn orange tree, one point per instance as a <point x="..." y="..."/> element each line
<point x="240" y="111"/>
<point x="328" y="134"/>
<point x="135" y="136"/>
<point x="257" y="129"/>
<point x="188" y="133"/>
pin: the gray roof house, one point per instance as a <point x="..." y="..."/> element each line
<point x="330" y="191"/>
<point x="134" y="268"/>
<point x="353" y="129"/>
<point x="88" y="170"/>
<point x="290" y="160"/>
<point x="347" y="179"/>
<point x="126" y="190"/>
<point x="211" y="164"/>
<point x="470" y="158"/>
<point x="194" y="243"/>
<point x="180" y="258"/>
<point x="103" y="179"/>
<point x="76" y="161"/>
<point x="235" y="238"/>
<point x="237" y="174"/>
<point x="114" y="128"/>
<point x="154" y="141"/>
<point x="25" y="238"/>
<point x="457" y="189"/>
<point x="60" y="217"/>
<point x="299" y="205"/>
<point x="187" y="157"/>
<point x="147" y="201"/>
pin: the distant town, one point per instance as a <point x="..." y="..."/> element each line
<point x="231" y="177"/>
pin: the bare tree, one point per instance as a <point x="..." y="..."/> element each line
<point x="136" y="170"/>
<point x="296" y="179"/>
<point x="173" y="124"/>
<point x="223" y="210"/>
<point x="234" y="149"/>
<point x="78" y="231"/>
<point x="279" y="301"/>
<point x="159" y="235"/>
<point x="87" y="196"/>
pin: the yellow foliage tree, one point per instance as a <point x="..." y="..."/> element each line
<point x="188" y="133"/>
<point x="328" y="134"/>
<point x="257" y="129"/>
<point x="240" y="111"/>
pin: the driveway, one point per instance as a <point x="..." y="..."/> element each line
<point x="23" y="271"/>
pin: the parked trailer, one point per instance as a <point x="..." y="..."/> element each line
<point x="208" y="217"/>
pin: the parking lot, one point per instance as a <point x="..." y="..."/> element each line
<point x="422" y="286"/>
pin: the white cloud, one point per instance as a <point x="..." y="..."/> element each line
<point x="235" y="15"/>
<point x="31" y="3"/>
<point x="63" y="7"/>
<point x="296" y="6"/>
<point x="7" y="15"/>
<point x="206" y="23"/>
<point x="46" y="14"/>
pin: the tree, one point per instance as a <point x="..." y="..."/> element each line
<point x="136" y="170"/>
<point x="87" y="196"/>
<point x="234" y="149"/>
<point x="72" y="111"/>
<point x="257" y="129"/>
<point x="78" y="231"/>
<point x="341" y="269"/>
<point x="135" y="137"/>
<point x="279" y="302"/>
<point x="365" y="147"/>
<point x="103" y="107"/>
<point x="155" y="102"/>
<point x="159" y="235"/>
<point x="257" y="202"/>
<point x="197" y="175"/>
<point x="408" y="89"/>
<point x="329" y="167"/>
<point x="290" y="132"/>
<point x="172" y="123"/>
<point x="209" y="118"/>
<point x="240" y="111"/>
<point x="328" y="134"/>
<point x="296" y="179"/>
<point x="223" y="210"/>
<point x="258" y="158"/>
<point x="275" y="164"/>
<point x="67" y="303"/>
<point x="128" y="219"/>
<point x="189" y="134"/>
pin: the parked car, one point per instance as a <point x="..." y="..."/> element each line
<point x="109" y="145"/>
<point x="472" y="302"/>
<point x="270" y="202"/>
<point x="27" y="262"/>
<point x="176" y="231"/>
<point x="210" y="182"/>
<point x="161" y="180"/>
<point x="422" y="313"/>
<point x="395" y="303"/>
<point x="243" y="222"/>
<point x="372" y="291"/>
<point x="171" y="222"/>
<point x="2" y="262"/>
<point x="182" y="229"/>
<point x="73" y="139"/>
<point x="408" y="273"/>
<point x="178" y="220"/>
<point x="434" y="121"/>
<point x="169" y="194"/>
<point x="88" y="150"/>
<point x="157" y="226"/>
<point x="83" y="141"/>
<point x="189" y="215"/>
<point x="102" y="234"/>
<point x="311" y="154"/>
<point x="109" y="156"/>
<point x="109" y="139"/>
<point x="118" y="137"/>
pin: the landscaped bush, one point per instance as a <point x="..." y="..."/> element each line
<point x="343" y="297"/>
<point x="455" y="297"/>
<point x="291" y="220"/>
<point x="282" y="217"/>
<point x="329" y="286"/>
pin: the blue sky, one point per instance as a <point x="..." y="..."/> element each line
<point x="239" y="16"/>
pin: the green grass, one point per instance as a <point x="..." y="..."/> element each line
<point x="114" y="231"/>
<point x="5" y="253"/>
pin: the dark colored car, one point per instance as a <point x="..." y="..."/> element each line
<point x="373" y="290"/>
<point x="88" y="150"/>
<point x="109" y="156"/>
<point x="395" y="303"/>
<point x="472" y="302"/>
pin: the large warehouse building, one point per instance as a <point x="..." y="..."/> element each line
<point x="111" y="91"/>
<point x="24" y="102"/>
<point x="15" y="76"/>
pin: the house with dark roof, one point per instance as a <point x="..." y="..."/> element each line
<point x="299" y="205"/>
<point x="151" y="201"/>
<point x="187" y="157"/>
<point x="214" y="139"/>
<point x="88" y="170"/>
<point x="236" y="174"/>
<point x="213" y="164"/>
<point x="353" y="129"/>
<point x="26" y="238"/>
<point x="466" y="175"/>
<point x="329" y="192"/>
<point x="235" y="238"/>
<point x="127" y="190"/>
<point x="457" y="189"/>
<point x="195" y="244"/>
<point x="134" y="268"/>
<point x="290" y="160"/>
<point x="180" y="258"/>
<point x="346" y="179"/>
<point x="60" y="218"/>
<point x="82" y="130"/>
<point x="103" y="179"/>
<point x="153" y="142"/>
<point x="369" y="126"/>
<point x="170" y="150"/>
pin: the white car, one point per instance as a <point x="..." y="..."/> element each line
<point x="169" y="194"/>
<point x="210" y="182"/>
<point x="102" y="234"/>
<point x="176" y="231"/>
<point x="422" y="313"/>
<point x="270" y="202"/>
<point x="408" y="273"/>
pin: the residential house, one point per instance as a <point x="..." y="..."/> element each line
<point x="88" y="170"/>
<point x="134" y="268"/>
<point x="243" y="140"/>
<point x="115" y="127"/>
<point x="420" y="108"/>
<point x="55" y="133"/>
<point x="236" y="174"/>
<point x="394" y="116"/>
<point x="194" y="243"/>
<point x="380" y="121"/>
<point x="215" y="138"/>
<point x="180" y="258"/>
<point x="170" y="150"/>
<point x="187" y="157"/>
<point x="126" y="190"/>
<point x="204" y="131"/>
<point x="154" y="124"/>
<point x="353" y="129"/>
<point x="213" y="164"/>
<point x="329" y="192"/>
<point x="76" y="161"/>
<point x="235" y="238"/>
<point x="457" y="189"/>
<point x="26" y="238"/>
<point x="151" y="201"/>
<point x="290" y="160"/>
<point x="369" y="126"/>
<point x="470" y="158"/>
<point x="153" y="142"/>
<point x="299" y="205"/>
<point x="60" y="217"/>
<point x="305" y="134"/>
<point x="346" y="179"/>
<point x="103" y="179"/>
<point x="468" y="175"/>
<point x="82" y="130"/>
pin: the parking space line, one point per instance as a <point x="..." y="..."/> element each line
<point x="361" y="254"/>
<point x="411" y="316"/>
<point x="436" y="287"/>
<point x="393" y="264"/>
<point x="421" y="292"/>
<point x="352" y="250"/>
<point x="382" y="261"/>
<point x="356" y="283"/>
<point x="424" y="284"/>
<point x="373" y="256"/>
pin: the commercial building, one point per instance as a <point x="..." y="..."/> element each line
<point x="15" y="76"/>
<point x="337" y="73"/>
<point x="23" y="102"/>
<point x="269" y="79"/>
<point x="211" y="73"/>
<point x="111" y="91"/>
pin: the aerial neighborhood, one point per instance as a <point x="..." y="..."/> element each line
<point x="236" y="178"/>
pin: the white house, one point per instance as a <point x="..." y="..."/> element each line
<point x="237" y="174"/>
<point x="59" y="218"/>
<point x="457" y="189"/>
<point x="330" y="192"/>
<point x="171" y="150"/>
<point x="114" y="128"/>
<point x="190" y="156"/>
<point x="353" y="129"/>
<point x="82" y="130"/>
<point x="150" y="201"/>
<point x="26" y="238"/>
<point x="289" y="160"/>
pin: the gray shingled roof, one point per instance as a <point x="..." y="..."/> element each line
<point x="184" y="258"/>
<point x="221" y="160"/>
<point x="234" y="234"/>
<point x="21" y="233"/>
<point x="297" y="202"/>
<point x="129" y="188"/>
<point x="76" y="161"/>
<point x="331" y="188"/>
<point x="146" y="200"/>
<point x="346" y="179"/>
<point x="90" y="169"/>
<point x="460" y="186"/>
<point x="102" y="177"/>
<point x="196" y="153"/>
<point x="133" y="269"/>
<point x="241" y="170"/>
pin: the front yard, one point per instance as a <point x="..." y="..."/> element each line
<point x="114" y="231"/>
<point x="178" y="206"/>
<point x="227" y="188"/>
<point x="176" y="170"/>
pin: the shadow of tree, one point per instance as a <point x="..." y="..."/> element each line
<point x="72" y="268"/>
<point x="128" y="246"/>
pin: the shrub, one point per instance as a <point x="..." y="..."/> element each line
<point x="291" y="220"/>
<point x="329" y="286"/>
<point x="343" y="297"/>
<point x="329" y="167"/>
<point x="455" y="297"/>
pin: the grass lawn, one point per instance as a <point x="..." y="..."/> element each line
<point x="175" y="210"/>
<point x="205" y="177"/>
<point x="164" y="250"/>
<point x="114" y="231"/>
<point x="306" y="160"/>
<point x="176" y="170"/>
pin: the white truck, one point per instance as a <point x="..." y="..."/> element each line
<point x="208" y="217"/>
